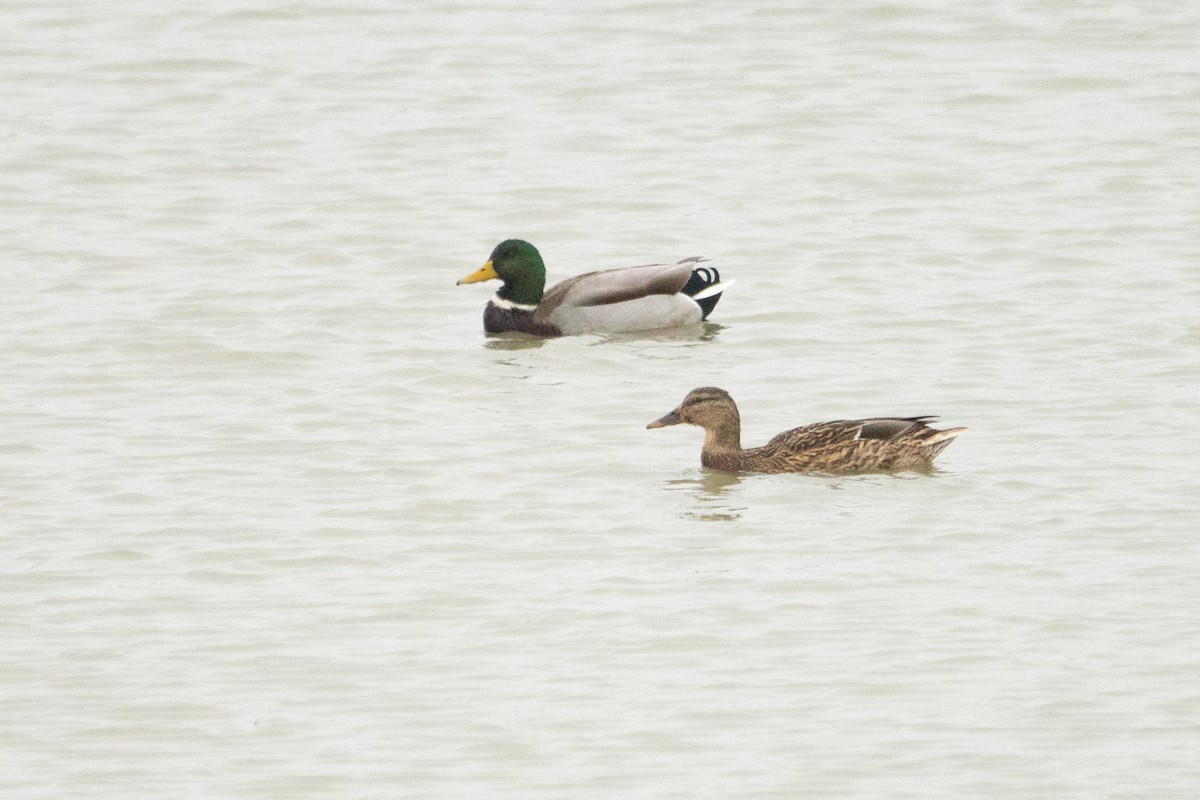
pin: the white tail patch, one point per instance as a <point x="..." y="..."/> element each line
<point x="949" y="433"/>
<point x="716" y="288"/>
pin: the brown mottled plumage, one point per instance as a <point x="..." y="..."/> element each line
<point x="880" y="444"/>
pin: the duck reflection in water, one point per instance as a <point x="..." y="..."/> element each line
<point x="713" y="492"/>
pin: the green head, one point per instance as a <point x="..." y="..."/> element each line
<point x="519" y="265"/>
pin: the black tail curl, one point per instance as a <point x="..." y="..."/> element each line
<point x="702" y="278"/>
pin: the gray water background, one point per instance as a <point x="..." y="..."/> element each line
<point x="279" y="521"/>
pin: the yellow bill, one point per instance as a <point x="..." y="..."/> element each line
<point x="485" y="273"/>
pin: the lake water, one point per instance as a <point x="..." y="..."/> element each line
<point x="280" y="521"/>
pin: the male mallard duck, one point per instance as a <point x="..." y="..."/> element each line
<point x="608" y="301"/>
<point x="881" y="444"/>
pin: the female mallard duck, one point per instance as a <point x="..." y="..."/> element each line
<point x="882" y="444"/>
<point x="608" y="301"/>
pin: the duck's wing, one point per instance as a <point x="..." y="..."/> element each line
<point x="609" y="286"/>
<point x="817" y="435"/>
<point x="844" y="433"/>
<point x="891" y="428"/>
<point x="878" y="443"/>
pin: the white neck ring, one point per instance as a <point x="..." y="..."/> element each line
<point x="500" y="302"/>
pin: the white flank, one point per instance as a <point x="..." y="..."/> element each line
<point x="642" y="314"/>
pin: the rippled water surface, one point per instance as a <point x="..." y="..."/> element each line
<point x="280" y="521"/>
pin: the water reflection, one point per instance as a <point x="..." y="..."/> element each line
<point x="704" y="332"/>
<point x="711" y="329"/>
<point x="513" y="341"/>
<point x="713" y="492"/>
<point x="840" y="482"/>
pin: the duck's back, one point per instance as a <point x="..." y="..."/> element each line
<point x="621" y="300"/>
